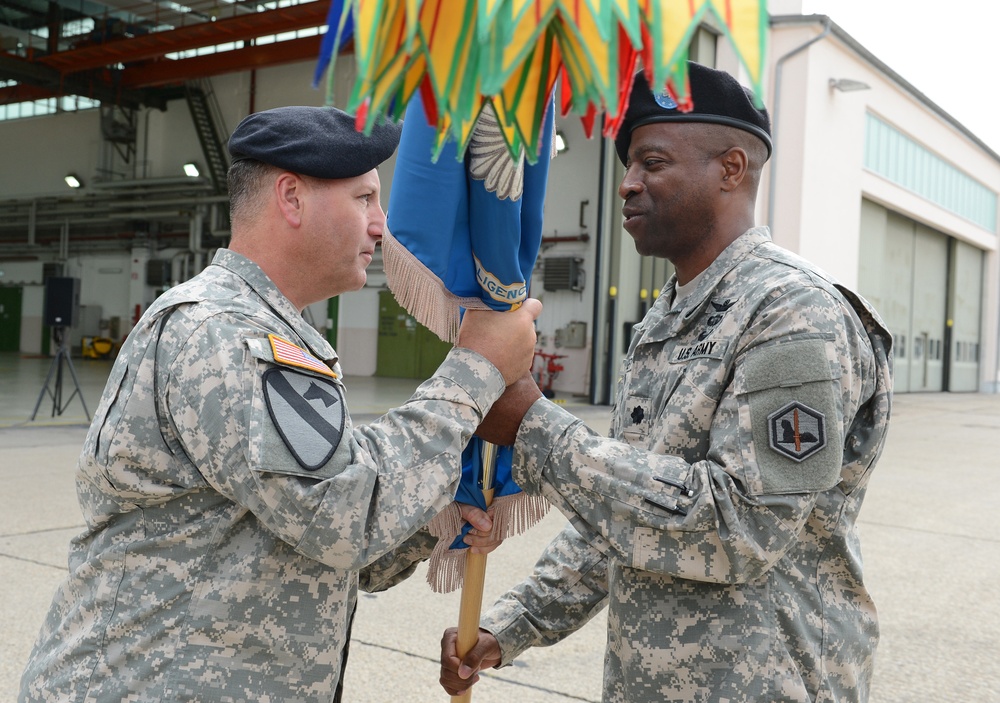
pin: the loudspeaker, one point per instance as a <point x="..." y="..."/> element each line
<point x="62" y="302"/>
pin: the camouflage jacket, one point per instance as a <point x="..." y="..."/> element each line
<point x="719" y="521"/>
<point x="230" y="503"/>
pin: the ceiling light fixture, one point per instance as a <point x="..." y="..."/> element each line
<point x="191" y="170"/>
<point x="73" y="181"/>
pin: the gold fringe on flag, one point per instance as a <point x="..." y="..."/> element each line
<point x="512" y="515"/>
<point x="422" y="293"/>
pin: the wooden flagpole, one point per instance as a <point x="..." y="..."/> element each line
<point x="471" y="604"/>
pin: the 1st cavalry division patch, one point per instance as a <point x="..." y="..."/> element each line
<point x="308" y="413"/>
<point x="796" y="431"/>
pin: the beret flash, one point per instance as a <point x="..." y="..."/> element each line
<point x="718" y="99"/>
<point x="321" y="142"/>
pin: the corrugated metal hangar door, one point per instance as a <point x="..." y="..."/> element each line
<point x="965" y="316"/>
<point x="927" y="287"/>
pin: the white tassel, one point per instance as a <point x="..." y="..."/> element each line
<point x="422" y="293"/>
<point x="447" y="523"/>
<point x="512" y="515"/>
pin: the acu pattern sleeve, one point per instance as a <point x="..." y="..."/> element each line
<point x="371" y="491"/>
<point x="773" y="434"/>
<point x="566" y="589"/>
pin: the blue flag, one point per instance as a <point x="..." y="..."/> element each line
<point x="340" y="30"/>
<point x="464" y="234"/>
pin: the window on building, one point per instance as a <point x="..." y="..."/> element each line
<point x="898" y="158"/>
<point x="83" y="31"/>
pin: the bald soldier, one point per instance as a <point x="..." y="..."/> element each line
<point x="230" y="501"/>
<point x="718" y="523"/>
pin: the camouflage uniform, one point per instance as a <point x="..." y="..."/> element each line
<point x="719" y="522"/>
<point x="226" y="530"/>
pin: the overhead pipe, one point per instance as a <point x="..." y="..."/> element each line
<point x="146" y="215"/>
<point x="150" y="182"/>
<point x="197" y="191"/>
<point x="776" y="113"/>
<point x="33" y="207"/>
<point x="178" y="269"/>
<point x="103" y="208"/>
<point x="195" y="243"/>
<point x="117" y="240"/>
<point x="214" y="219"/>
<point x="566" y="238"/>
<point x="24" y="223"/>
<point x="64" y="241"/>
<point x="116" y="237"/>
<point x="31" y="224"/>
<point x="59" y="213"/>
<point x="204" y="200"/>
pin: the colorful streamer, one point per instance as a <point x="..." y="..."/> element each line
<point x="464" y="54"/>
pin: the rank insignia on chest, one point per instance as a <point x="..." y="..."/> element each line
<point x="797" y="431"/>
<point x="289" y="354"/>
<point x="637" y="414"/>
<point x="308" y="413"/>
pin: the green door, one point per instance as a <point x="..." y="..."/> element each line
<point x="431" y="351"/>
<point x="10" y="319"/>
<point x="397" y="339"/>
<point x="406" y="349"/>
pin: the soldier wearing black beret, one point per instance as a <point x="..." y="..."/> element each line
<point x="322" y="142"/>
<point x="718" y="99"/>
<point x="718" y="521"/>
<point x="233" y="507"/>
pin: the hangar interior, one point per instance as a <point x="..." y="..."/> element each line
<point x="135" y="99"/>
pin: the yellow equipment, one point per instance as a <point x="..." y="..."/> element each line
<point x="96" y="347"/>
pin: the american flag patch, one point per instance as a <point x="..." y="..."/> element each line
<point x="287" y="353"/>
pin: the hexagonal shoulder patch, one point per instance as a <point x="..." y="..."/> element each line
<point x="797" y="431"/>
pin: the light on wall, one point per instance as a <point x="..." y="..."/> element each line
<point x="848" y="85"/>
<point x="191" y="170"/>
<point x="561" y="144"/>
<point x="73" y="181"/>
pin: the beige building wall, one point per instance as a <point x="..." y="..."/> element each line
<point x="818" y="175"/>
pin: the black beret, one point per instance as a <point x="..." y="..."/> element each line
<point x="321" y="142"/>
<point x="718" y="99"/>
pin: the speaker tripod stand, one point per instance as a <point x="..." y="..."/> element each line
<point x="56" y="369"/>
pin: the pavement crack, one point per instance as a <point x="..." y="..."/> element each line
<point x="937" y="533"/>
<point x="42" y="531"/>
<point x="483" y="674"/>
<point x="4" y="555"/>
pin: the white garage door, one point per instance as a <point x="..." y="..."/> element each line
<point x="927" y="287"/>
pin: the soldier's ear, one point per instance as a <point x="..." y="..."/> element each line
<point x="288" y="192"/>
<point x="735" y="164"/>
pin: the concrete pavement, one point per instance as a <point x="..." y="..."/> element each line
<point x="932" y="555"/>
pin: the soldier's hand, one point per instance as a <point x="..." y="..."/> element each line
<point x="480" y="538"/>
<point x="503" y="420"/>
<point x="459" y="674"/>
<point x="506" y="339"/>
